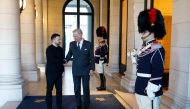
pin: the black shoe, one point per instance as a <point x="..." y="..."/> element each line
<point x="49" y="107"/>
<point x="59" y="107"/>
<point x="87" y="107"/>
<point x="98" y="87"/>
<point x="101" y="82"/>
<point x="101" y="88"/>
<point x="79" y="107"/>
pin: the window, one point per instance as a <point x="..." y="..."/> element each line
<point x="77" y="14"/>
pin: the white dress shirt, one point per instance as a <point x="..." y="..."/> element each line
<point x="81" y="42"/>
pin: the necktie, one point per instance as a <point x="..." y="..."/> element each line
<point x="78" y="46"/>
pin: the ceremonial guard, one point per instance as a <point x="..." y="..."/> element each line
<point x="101" y="56"/>
<point x="150" y="60"/>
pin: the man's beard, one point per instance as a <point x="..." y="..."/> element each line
<point x="58" y="43"/>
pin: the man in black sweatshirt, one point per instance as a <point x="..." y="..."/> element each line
<point x="54" y="70"/>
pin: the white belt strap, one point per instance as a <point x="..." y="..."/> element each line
<point x="144" y="75"/>
<point x="153" y="79"/>
<point x="145" y="48"/>
<point x="99" y="55"/>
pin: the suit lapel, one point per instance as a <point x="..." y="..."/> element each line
<point x="75" y="46"/>
<point x="82" y="49"/>
<point x="82" y="46"/>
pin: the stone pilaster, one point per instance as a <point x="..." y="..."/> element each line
<point x="178" y="95"/>
<point x="133" y="41"/>
<point x="45" y="30"/>
<point x="103" y="13"/>
<point x="113" y="66"/>
<point x="96" y="5"/>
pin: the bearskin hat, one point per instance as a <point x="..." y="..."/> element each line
<point x="101" y="32"/>
<point x="153" y="21"/>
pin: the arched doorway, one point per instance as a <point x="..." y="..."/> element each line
<point x="77" y="14"/>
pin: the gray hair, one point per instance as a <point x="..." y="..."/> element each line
<point x="78" y="31"/>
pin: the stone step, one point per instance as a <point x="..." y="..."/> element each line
<point x="117" y="77"/>
<point x="11" y="105"/>
<point x="128" y="98"/>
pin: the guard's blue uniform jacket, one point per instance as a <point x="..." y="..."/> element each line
<point x="101" y="53"/>
<point x="150" y="62"/>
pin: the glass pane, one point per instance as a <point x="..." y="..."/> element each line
<point x="70" y="25"/>
<point x="72" y="6"/>
<point x="86" y="26"/>
<point x="84" y="7"/>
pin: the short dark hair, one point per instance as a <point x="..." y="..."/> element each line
<point x="53" y="36"/>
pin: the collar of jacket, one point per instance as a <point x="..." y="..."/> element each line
<point x="150" y="41"/>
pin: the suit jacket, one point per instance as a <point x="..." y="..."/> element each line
<point x="83" y="60"/>
<point x="55" y="60"/>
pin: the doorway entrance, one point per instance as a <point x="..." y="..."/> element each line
<point x="166" y="42"/>
<point x="77" y="14"/>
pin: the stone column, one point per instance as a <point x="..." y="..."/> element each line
<point x="103" y="13"/>
<point x="28" y="43"/>
<point x="113" y="66"/>
<point x="12" y="85"/>
<point x="178" y="95"/>
<point x="133" y="41"/>
<point x="45" y="38"/>
<point x="39" y="34"/>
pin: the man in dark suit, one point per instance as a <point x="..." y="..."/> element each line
<point x="82" y="68"/>
<point x="54" y="69"/>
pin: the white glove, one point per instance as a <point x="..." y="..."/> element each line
<point x="151" y="89"/>
<point x="134" y="60"/>
<point x="133" y="54"/>
<point x="128" y="54"/>
<point x="100" y="63"/>
<point x="151" y="94"/>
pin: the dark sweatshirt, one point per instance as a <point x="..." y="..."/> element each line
<point x="55" y="60"/>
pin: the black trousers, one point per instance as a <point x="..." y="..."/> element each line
<point x="52" y="80"/>
<point x="86" y="89"/>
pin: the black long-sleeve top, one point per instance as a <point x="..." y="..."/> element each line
<point x="55" y="60"/>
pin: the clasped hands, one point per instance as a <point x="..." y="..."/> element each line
<point x="65" y="63"/>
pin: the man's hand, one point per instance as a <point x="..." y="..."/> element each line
<point x="91" y="72"/>
<point x="65" y="62"/>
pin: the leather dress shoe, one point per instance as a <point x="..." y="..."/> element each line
<point x="49" y="107"/>
<point x="87" y="107"/>
<point x="79" y="107"/>
<point x="101" y="88"/>
<point x="59" y="107"/>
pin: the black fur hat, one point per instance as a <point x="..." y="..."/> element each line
<point x="101" y="32"/>
<point x="153" y="21"/>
